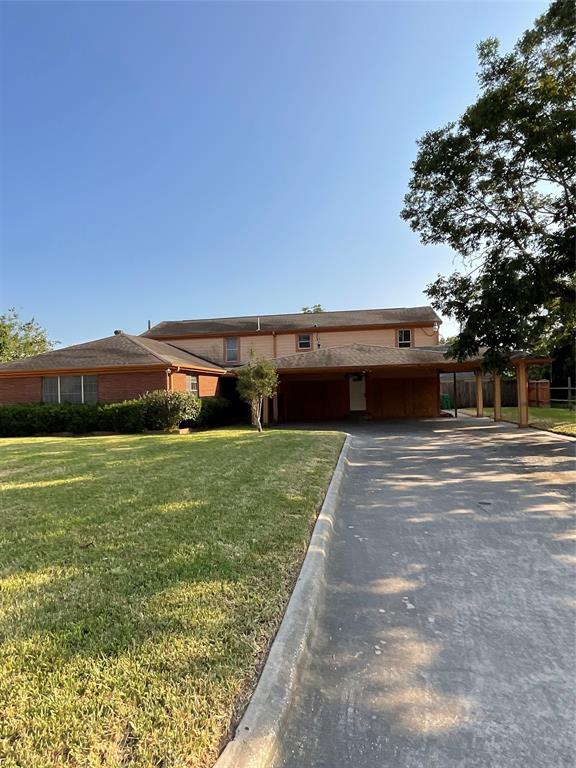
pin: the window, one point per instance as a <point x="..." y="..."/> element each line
<point x="192" y="383"/>
<point x="70" y="389"/>
<point x="405" y="338"/>
<point x="231" y="349"/>
<point x="304" y="341"/>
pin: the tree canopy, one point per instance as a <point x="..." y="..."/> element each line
<point x="313" y="310"/>
<point x="499" y="187"/>
<point x="21" y="338"/>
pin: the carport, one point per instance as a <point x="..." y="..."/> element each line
<point x="371" y="382"/>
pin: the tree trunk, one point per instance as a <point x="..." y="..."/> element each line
<point x="256" y="412"/>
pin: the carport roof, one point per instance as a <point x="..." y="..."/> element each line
<point x="366" y="356"/>
<point x="363" y="356"/>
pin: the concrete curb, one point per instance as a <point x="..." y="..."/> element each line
<point x="255" y="742"/>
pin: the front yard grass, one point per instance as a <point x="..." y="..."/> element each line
<point x="560" y="420"/>
<point x="141" y="580"/>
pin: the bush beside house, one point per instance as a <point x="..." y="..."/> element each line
<point x="159" y="410"/>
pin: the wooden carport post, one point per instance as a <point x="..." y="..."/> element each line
<point x="522" y="393"/>
<point x="497" y="384"/>
<point x="479" y="394"/>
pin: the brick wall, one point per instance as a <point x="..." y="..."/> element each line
<point x="207" y="385"/>
<point x="27" y="389"/>
<point x="114" y="387"/>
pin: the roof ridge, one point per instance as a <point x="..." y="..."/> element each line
<point x="287" y="314"/>
<point x="140" y="343"/>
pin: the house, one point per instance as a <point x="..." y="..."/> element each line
<point x="372" y="363"/>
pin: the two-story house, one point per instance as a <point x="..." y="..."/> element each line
<point x="381" y="363"/>
<point x="376" y="362"/>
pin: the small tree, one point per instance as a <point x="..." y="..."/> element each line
<point x="313" y="310"/>
<point x="21" y="338"/>
<point x="256" y="380"/>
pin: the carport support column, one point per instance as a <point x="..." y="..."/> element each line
<point x="275" y="409"/>
<point x="479" y="394"/>
<point x="522" y="393"/>
<point x="497" y="382"/>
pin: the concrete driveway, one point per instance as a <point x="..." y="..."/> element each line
<point x="447" y="637"/>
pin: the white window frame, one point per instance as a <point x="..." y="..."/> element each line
<point x="301" y="336"/>
<point x="402" y="344"/>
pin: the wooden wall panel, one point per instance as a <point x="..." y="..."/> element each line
<point x="402" y="398"/>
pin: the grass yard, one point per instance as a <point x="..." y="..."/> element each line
<point x="561" y="420"/>
<point x="141" y="579"/>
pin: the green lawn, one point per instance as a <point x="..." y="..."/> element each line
<point x="560" y="420"/>
<point x="141" y="579"/>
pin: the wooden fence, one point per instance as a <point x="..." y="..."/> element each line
<point x="466" y="392"/>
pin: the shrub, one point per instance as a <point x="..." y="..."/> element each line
<point x="41" y="418"/>
<point x="215" y="412"/>
<point x="166" y="410"/>
<point x="127" y="417"/>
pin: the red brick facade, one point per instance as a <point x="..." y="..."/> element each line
<point x="21" y="390"/>
<point x="207" y="385"/>
<point x="115" y="387"/>
<point x="112" y="387"/>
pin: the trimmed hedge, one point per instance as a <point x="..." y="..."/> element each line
<point x="154" y="410"/>
<point x="40" y="418"/>
<point x="214" y="412"/>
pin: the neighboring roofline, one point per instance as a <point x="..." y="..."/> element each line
<point x="285" y="332"/>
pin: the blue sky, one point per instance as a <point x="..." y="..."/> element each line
<point x="179" y="160"/>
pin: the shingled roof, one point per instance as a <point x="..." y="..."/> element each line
<point x="295" y="322"/>
<point x="361" y="356"/>
<point x="118" y="351"/>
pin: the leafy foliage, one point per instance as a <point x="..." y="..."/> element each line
<point x="21" y="338"/>
<point x="498" y="186"/>
<point x="256" y="380"/>
<point x="155" y="411"/>
<point x="166" y="410"/>
<point x="44" y="419"/>
<point x="313" y="310"/>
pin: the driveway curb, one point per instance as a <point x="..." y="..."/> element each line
<point x="255" y="742"/>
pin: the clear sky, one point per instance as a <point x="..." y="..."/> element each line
<point x="179" y="160"/>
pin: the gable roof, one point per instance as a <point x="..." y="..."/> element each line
<point x="361" y="356"/>
<point x="293" y="322"/>
<point x="118" y="351"/>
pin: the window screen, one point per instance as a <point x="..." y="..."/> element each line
<point x="50" y="389"/>
<point x="232" y="349"/>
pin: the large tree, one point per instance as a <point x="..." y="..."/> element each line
<point x="499" y="187"/>
<point x="21" y="338"/>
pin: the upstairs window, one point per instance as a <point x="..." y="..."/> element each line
<point x="70" y="389"/>
<point x="405" y="338"/>
<point x="192" y="383"/>
<point x="304" y="341"/>
<point x="231" y="351"/>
